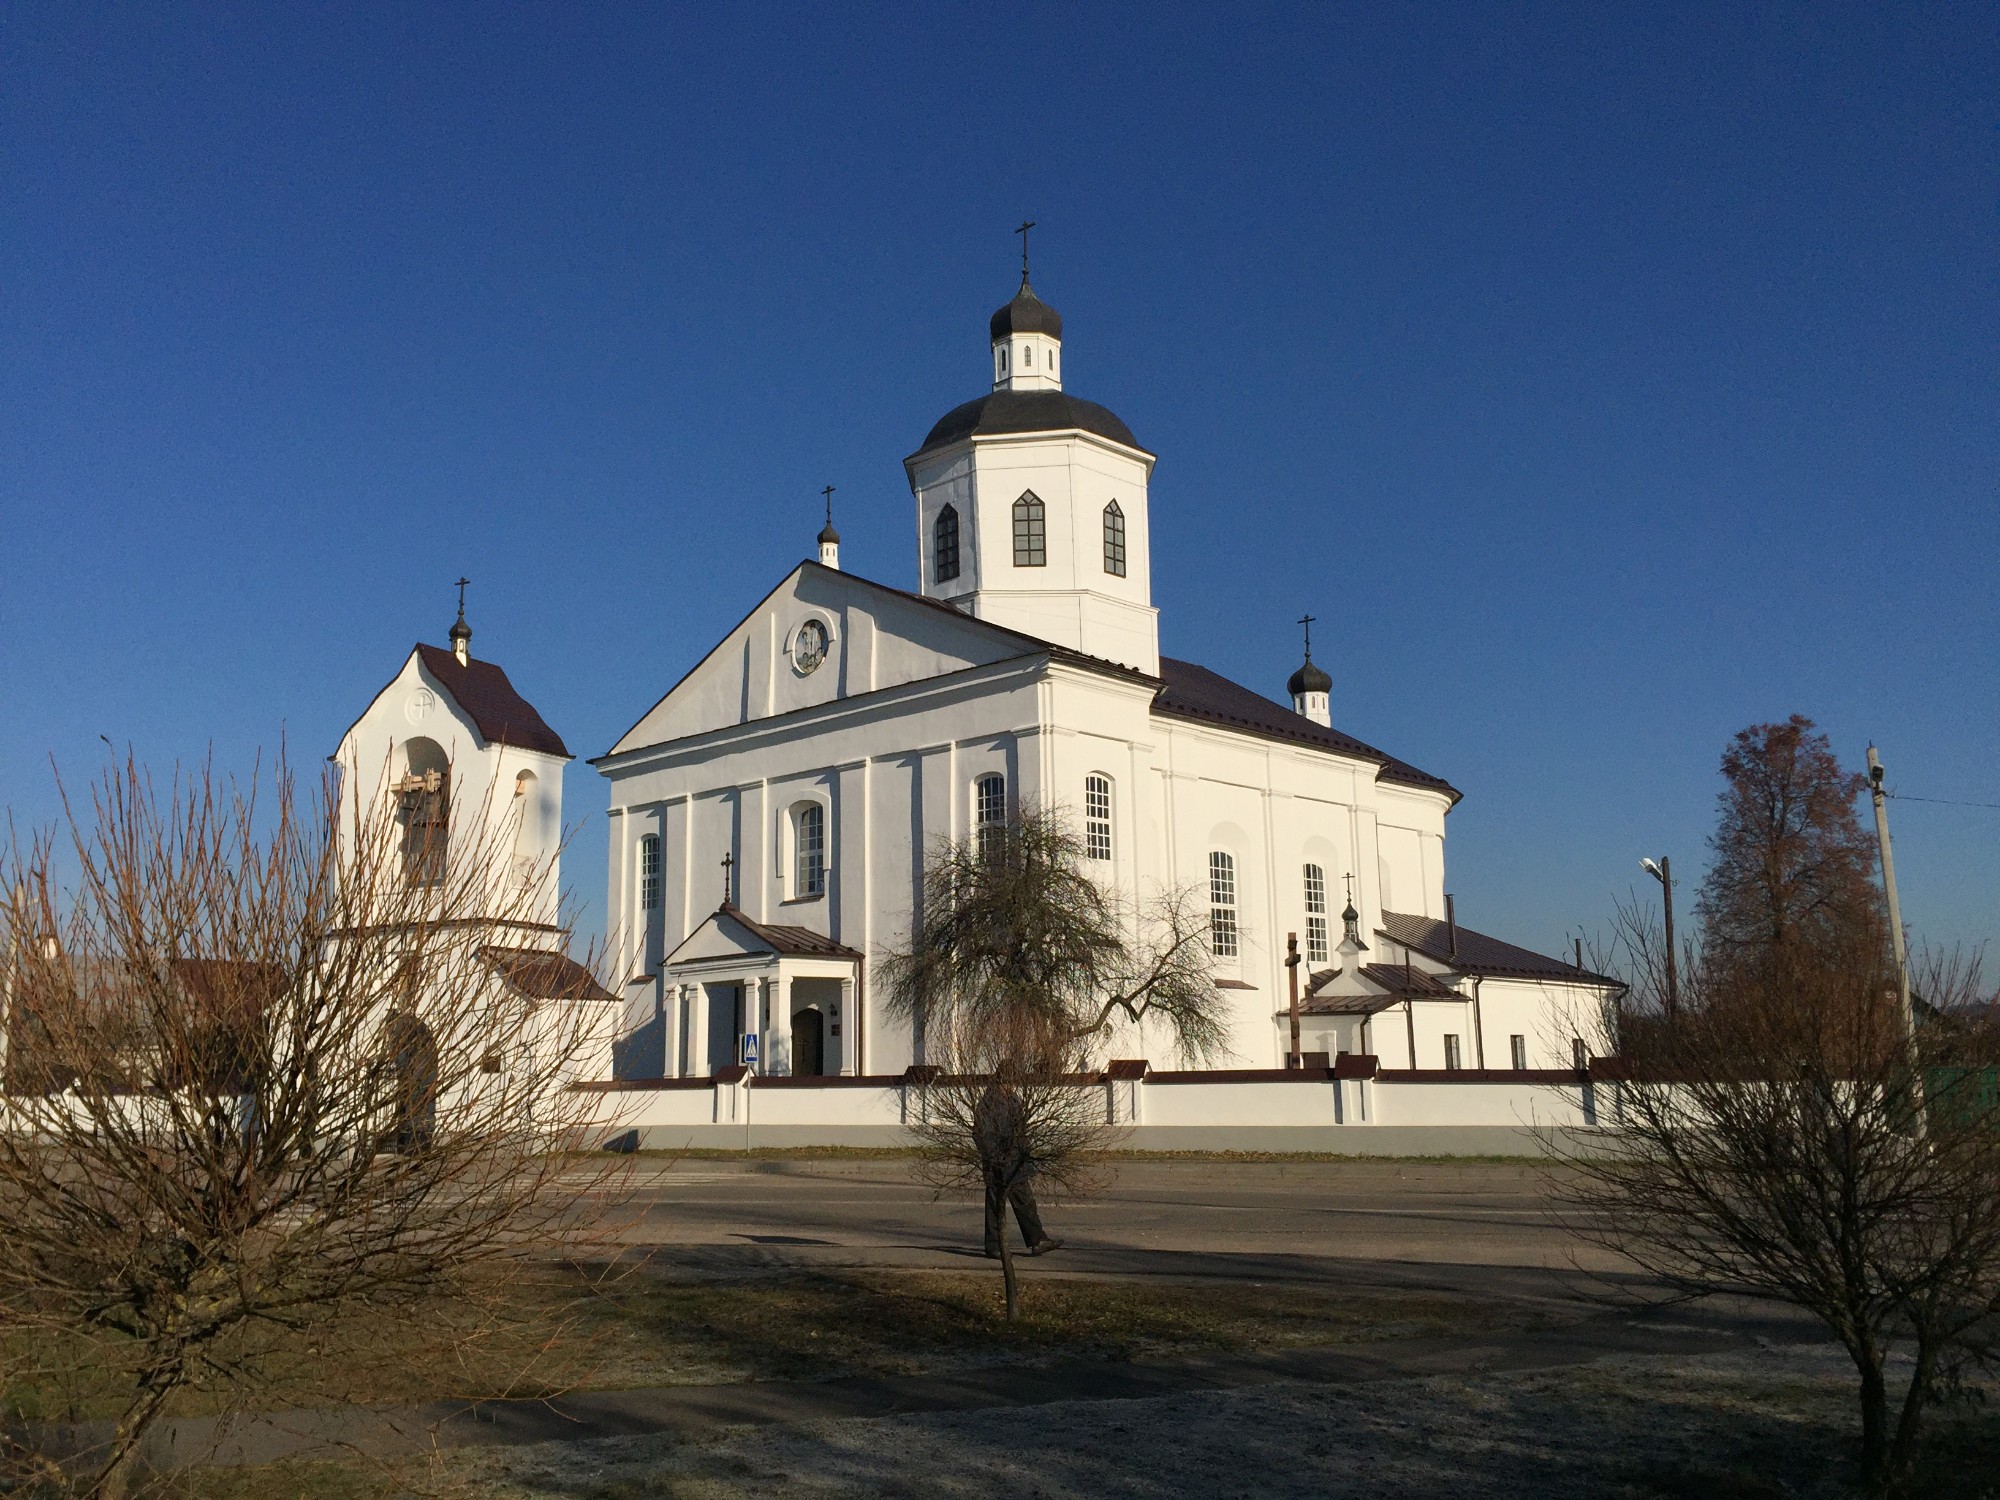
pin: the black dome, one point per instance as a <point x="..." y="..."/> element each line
<point x="1025" y="411"/>
<point x="828" y="534"/>
<point x="1309" y="679"/>
<point x="1027" y="313"/>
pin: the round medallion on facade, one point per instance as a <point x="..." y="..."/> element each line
<point x="809" y="646"/>
<point x="419" y="707"/>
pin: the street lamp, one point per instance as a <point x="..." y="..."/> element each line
<point x="1662" y="870"/>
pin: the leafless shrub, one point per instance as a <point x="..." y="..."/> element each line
<point x="264" y="1086"/>
<point x="1787" y="1137"/>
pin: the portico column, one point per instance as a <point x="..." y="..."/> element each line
<point x="697" y="1032"/>
<point x="846" y="1028"/>
<point x="761" y="1023"/>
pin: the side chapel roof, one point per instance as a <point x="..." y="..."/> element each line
<point x="539" y="974"/>
<point x="1479" y="954"/>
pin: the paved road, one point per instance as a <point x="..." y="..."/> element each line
<point x="1468" y="1227"/>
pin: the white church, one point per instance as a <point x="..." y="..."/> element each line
<point x="770" y="814"/>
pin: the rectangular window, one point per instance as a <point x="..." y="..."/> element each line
<point x="1451" y="1061"/>
<point x="811" y="836"/>
<point x="1221" y="904"/>
<point x="1317" y="951"/>
<point x="649" y="872"/>
<point x="426" y="813"/>
<point x="1517" y="1047"/>
<point x="1579" y="1054"/>
<point x="1097" y="816"/>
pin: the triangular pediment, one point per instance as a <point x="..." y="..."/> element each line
<point x="722" y="936"/>
<point x="821" y="636"/>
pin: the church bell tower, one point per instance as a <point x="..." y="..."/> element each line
<point x="1031" y="503"/>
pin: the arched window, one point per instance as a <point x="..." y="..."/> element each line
<point x="1030" y="532"/>
<point x="649" y="872"/>
<point x="945" y="534"/>
<point x="1097" y="816"/>
<point x="1028" y="355"/>
<point x="1114" y="540"/>
<point x="1221" y="904"/>
<point x="989" y="813"/>
<point x="1003" y="359"/>
<point x="527" y="826"/>
<point x="1317" y="951"/>
<point x="809" y="851"/>
<point x="423" y="806"/>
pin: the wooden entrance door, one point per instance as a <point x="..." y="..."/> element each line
<point x="808" y="1044"/>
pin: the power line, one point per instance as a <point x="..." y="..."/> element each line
<point x="1943" y="801"/>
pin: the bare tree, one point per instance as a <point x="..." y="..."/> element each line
<point x="1018" y="966"/>
<point x="1785" y="1139"/>
<point x="1792" y="860"/>
<point x="1006" y="1108"/>
<point x="264" y="1072"/>
<point x="1013" y="924"/>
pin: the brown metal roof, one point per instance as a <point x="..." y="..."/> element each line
<point x="1408" y="981"/>
<point x="1194" y="692"/>
<point x="540" y="974"/>
<point x="502" y="716"/>
<point x="1346" y="1005"/>
<point x="1476" y="953"/>
<point x="791" y="942"/>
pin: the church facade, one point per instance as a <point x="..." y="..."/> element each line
<point x="770" y="814"/>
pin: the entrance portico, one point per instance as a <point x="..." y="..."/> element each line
<point x="796" y="991"/>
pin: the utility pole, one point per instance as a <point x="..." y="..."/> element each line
<point x="1294" y="1058"/>
<point x="1663" y="871"/>
<point x="1889" y="889"/>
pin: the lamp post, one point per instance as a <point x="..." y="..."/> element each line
<point x="1663" y="871"/>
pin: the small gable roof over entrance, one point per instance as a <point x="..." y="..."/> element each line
<point x="500" y="714"/>
<point x="729" y="933"/>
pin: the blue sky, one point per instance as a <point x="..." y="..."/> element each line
<point x="1605" y="378"/>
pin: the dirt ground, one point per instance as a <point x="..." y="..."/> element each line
<point x="1777" y="1422"/>
<point x="1773" y="1424"/>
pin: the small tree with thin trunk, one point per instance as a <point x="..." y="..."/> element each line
<point x="1018" y="967"/>
<point x="261" y="1079"/>
<point x="1009" y="1106"/>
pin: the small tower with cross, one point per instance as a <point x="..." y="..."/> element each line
<point x="1027" y="336"/>
<point x="1310" y="687"/>
<point x="829" y="539"/>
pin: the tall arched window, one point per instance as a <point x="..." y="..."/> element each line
<point x="1221" y="904"/>
<point x="989" y="813"/>
<point x="649" y="872"/>
<point x="945" y="535"/>
<point x="1030" y="532"/>
<point x="1317" y="951"/>
<point x="1114" y="540"/>
<point x="423" y="805"/>
<point x="809" y="850"/>
<point x="1097" y="816"/>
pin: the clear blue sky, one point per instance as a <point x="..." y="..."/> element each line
<point x="1605" y="378"/>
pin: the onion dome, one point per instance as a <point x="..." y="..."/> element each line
<point x="828" y="536"/>
<point x="1308" y="679"/>
<point x="1027" y="313"/>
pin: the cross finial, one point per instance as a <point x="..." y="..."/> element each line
<point x="1026" y="225"/>
<point x="827" y="495"/>
<point x="728" y="885"/>
<point x="461" y="596"/>
<point x="1350" y="887"/>
<point x="1307" y="621"/>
